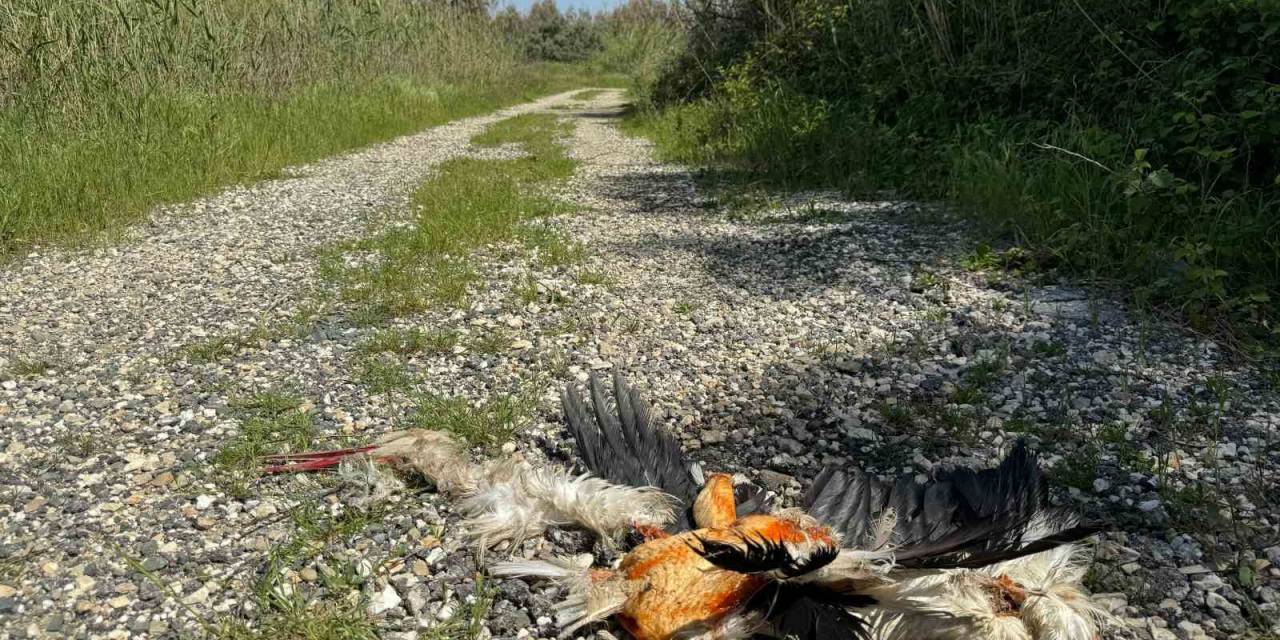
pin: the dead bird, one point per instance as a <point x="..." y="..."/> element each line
<point x="967" y="555"/>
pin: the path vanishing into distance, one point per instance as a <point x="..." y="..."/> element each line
<point x="772" y="336"/>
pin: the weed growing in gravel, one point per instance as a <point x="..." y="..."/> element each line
<point x="271" y="422"/>
<point x="589" y="94"/>
<point x="469" y="203"/>
<point x="471" y="626"/>
<point x="336" y="620"/>
<point x="489" y="424"/>
<point x="219" y="347"/>
<point x="552" y="248"/>
<point x="566" y="325"/>
<point x="216" y="348"/>
<point x="382" y="373"/>
<point x="588" y="277"/>
<point x="491" y="342"/>
<point x="80" y="445"/>
<point x="896" y="416"/>
<point x="28" y="367"/>
<point x="1079" y="468"/>
<point x="408" y="341"/>
<point x="527" y="291"/>
<point x="684" y="307"/>
<point x="284" y="613"/>
<point x="1048" y="349"/>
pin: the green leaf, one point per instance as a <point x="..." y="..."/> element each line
<point x="1248" y="576"/>
<point x="1161" y="178"/>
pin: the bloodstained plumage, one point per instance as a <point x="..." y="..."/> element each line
<point x="969" y="555"/>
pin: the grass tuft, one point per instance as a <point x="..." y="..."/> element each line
<point x="271" y="422"/>
<point x="28" y="367"/>
<point x="489" y="424"/>
<point x="410" y="341"/>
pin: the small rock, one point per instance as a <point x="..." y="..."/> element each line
<point x="776" y="481"/>
<point x="384" y="601"/>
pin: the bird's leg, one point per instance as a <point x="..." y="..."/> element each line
<point x="715" y="506"/>
<point x="311" y="460"/>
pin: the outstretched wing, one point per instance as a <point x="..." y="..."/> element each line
<point x="622" y="444"/>
<point x="808" y="612"/>
<point x="964" y="518"/>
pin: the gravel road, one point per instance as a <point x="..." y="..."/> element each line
<point x="773" y="338"/>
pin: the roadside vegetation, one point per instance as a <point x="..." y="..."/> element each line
<point x="109" y="108"/>
<point x="1131" y="144"/>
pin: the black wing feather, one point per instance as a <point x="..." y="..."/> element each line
<point x="751" y="498"/>
<point x="751" y="554"/>
<point x="625" y="446"/>
<point x="807" y="612"/>
<point x="964" y="518"/>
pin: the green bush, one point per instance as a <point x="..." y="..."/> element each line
<point x="1133" y="141"/>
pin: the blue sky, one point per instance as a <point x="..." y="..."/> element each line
<point x="593" y="5"/>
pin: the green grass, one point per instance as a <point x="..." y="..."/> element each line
<point x="270" y="422"/>
<point x="685" y="307"/>
<point x="589" y="94"/>
<point x="469" y="626"/>
<point x="1142" y="182"/>
<point x="28" y="367"/>
<point x="219" y="347"/>
<point x="160" y="104"/>
<point x="593" y="278"/>
<point x="492" y="342"/>
<point x="468" y="204"/>
<point x="285" y="614"/>
<point x="411" y="341"/>
<point x="383" y="374"/>
<point x="487" y="425"/>
<point x="552" y="248"/>
<point x="328" y="621"/>
<point x="216" y="348"/>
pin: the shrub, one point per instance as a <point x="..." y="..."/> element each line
<point x="1133" y="141"/>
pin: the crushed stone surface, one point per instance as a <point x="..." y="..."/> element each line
<point x="774" y="338"/>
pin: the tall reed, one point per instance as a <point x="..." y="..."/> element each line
<point x="108" y="107"/>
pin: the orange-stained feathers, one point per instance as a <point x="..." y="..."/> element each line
<point x="715" y="505"/>
<point x="675" y="589"/>
<point x="1007" y="595"/>
<point x="678" y="590"/>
